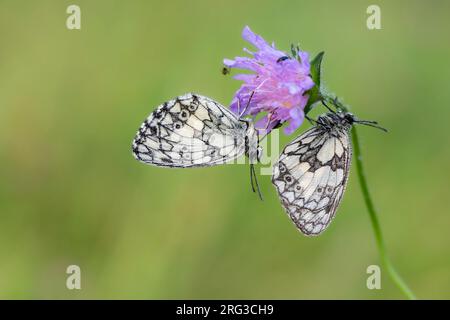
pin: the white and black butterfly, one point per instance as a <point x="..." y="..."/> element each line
<point x="195" y="131"/>
<point x="312" y="171"/>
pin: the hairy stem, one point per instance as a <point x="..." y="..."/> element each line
<point x="385" y="261"/>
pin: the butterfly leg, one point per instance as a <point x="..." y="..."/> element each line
<point x="326" y="106"/>
<point x="253" y="176"/>
<point x="312" y="121"/>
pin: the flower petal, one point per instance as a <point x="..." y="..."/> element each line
<point x="297" y="117"/>
<point x="276" y="86"/>
<point x="254" y="39"/>
<point x="245" y="77"/>
<point x="242" y="63"/>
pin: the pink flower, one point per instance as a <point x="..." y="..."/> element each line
<point x="277" y="86"/>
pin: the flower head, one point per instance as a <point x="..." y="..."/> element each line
<point x="277" y="86"/>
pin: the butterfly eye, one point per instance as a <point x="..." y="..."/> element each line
<point x="329" y="189"/>
<point x="282" y="168"/>
<point x="192" y="107"/>
<point x="288" y="178"/>
<point x="298" y="188"/>
<point x="319" y="189"/>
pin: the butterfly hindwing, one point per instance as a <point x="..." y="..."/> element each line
<point x="311" y="175"/>
<point x="190" y="131"/>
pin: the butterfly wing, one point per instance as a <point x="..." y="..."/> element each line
<point x="311" y="175"/>
<point x="190" y="131"/>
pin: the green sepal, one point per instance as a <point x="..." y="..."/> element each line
<point x="315" y="93"/>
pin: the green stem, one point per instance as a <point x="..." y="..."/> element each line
<point x="385" y="261"/>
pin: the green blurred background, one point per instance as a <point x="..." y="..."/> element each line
<point x="71" y="192"/>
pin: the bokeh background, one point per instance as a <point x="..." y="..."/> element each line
<point x="71" y="192"/>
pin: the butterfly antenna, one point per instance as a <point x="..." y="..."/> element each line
<point x="251" y="96"/>
<point x="248" y="104"/>
<point x="372" y="124"/>
<point x="264" y="136"/>
<point x="266" y="133"/>
<point x="252" y="168"/>
<point x="238" y="105"/>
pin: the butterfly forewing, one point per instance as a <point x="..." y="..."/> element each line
<point x="310" y="177"/>
<point x="190" y="131"/>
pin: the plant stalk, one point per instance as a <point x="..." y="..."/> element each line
<point x="385" y="261"/>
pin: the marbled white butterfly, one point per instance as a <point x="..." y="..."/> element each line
<point x="195" y="131"/>
<point x="312" y="171"/>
